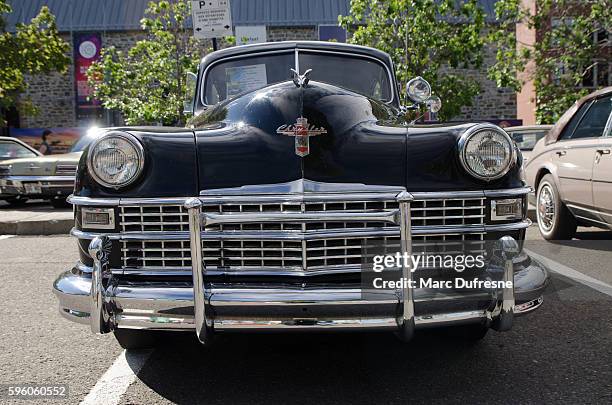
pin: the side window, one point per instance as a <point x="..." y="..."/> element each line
<point x="595" y="119"/>
<point x="573" y="123"/>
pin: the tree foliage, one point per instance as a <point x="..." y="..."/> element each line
<point x="34" y="48"/>
<point x="147" y="83"/>
<point x="571" y="42"/>
<point x="425" y="38"/>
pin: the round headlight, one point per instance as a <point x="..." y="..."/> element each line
<point x="116" y="159"/>
<point x="486" y="152"/>
<point x="419" y="90"/>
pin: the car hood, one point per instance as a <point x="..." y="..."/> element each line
<point x="42" y="165"/>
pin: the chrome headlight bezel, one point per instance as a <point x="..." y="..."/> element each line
<point x="469" y="134"/>
<point x="132" y="141"/>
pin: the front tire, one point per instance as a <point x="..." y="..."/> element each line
<point x="132" y="339"/>
<point x="555" y="221"/>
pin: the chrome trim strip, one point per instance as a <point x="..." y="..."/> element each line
<point x="300" y="186"/>
<point x="306" y="217"/>
<point x="76" y="200"/>
<point x="40" y="178"/>
<point x="508" y="192"/>
<point x="344" y="195"/>
<point x="306" y="324"/>
<point x="310" y="235"/>
<point x="296" y="51"/>
<point x="436" y="320"/>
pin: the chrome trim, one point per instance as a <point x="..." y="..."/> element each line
<point x="306" y="324"/>
<point x="194" y="208"/>
<point x="296" y="50"/>
<point x="300" y="186"/>
<point x="391" y="216"/>
<point x="77" y="200"/>
<point x="505" y="217"/>
<point x="297" y="235"/>
<point x="511" y="192"/>
<point x="406" y="325"/>
<point x="101" y="320"/>
<point x="131" y="139"/>
<point x="529" y="306"/>
<point x="504" y="310"/>
<point x="39" y="178"/>
<point x="464" y="139"/>
<point x="109" y="211"/>
<point x="208" y="196"/>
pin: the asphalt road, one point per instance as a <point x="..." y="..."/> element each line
<point x="560" y="353"/>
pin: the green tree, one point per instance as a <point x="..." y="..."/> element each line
<point x="572" y="44"/>
<point x="147" y="83"/>
<point x="425" y="38"/>
<point x="34" y="48"/>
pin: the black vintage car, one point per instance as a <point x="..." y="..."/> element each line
<point x="255" y="216"/>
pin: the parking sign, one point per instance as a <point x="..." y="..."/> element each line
<point x="211" y="18"/>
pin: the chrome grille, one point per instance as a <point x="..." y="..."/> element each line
<point x="168" y="218"/>
<point x="65" y="170"/>
<point x="231" y="252"/>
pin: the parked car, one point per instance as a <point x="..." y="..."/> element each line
<point x="11" y="148"/>
<point x="527" y="136"/>
<point x="571" y="169"/>
<point x="254" y="216"/>
<point x="48" y="177"/>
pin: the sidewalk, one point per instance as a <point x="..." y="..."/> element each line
<point x="35" y="219"/>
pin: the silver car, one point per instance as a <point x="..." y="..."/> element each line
<point x="571" y="169"/>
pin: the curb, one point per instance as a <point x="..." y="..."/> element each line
<point x="47" y="227"/>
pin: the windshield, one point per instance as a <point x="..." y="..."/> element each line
<point x="11" y="150"/>
<point x="229" y="78"/>
<point x="527" y="140"/>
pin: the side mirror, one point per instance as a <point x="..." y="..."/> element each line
<point x="191" y="82"/>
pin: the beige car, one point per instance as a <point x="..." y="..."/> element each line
<point x="43" y="177"/>
<point x="571" y="169"/>
<point x="527" y="136"/>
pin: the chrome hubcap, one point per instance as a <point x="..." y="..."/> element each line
<point x="546" y="208"/>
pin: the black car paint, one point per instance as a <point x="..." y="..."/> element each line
<point x="236" y="144"/>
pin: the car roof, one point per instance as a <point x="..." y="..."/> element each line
<point x="19" y="141"/>
<point x="558" y="128"/>
<point x="288" y="45"/>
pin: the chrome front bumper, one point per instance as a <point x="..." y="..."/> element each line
<point x="98" y="297"/>
<point x="167" y="305"/>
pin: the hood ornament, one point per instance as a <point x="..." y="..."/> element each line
<point x="301" y="80"/>
<point x="302" y="131"/>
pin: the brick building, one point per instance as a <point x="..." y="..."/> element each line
<point x="117" y="23"/>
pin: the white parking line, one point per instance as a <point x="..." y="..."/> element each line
<point x="117" y="379"/>
<point x="6" y="236"/>
<point x="573" y="274"/>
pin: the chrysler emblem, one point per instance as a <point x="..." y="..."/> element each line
<point x="302" y="131"/>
